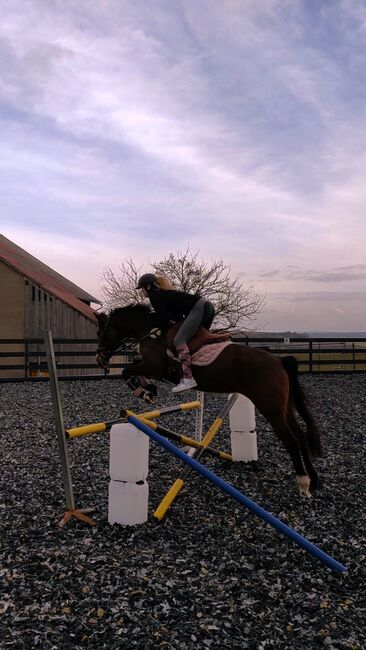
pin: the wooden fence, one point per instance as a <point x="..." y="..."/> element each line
<point x="25" y="359"/>
<point x="315" y="355"/>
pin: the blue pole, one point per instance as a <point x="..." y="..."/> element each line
<point x="238" y="496"/>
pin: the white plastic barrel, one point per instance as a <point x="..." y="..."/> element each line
<point x="128" y="503"/>
<point x="129" y="454"/>
<point x="243" y="430"/>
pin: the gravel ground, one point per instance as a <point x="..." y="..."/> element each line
<point x="211" y="575"/>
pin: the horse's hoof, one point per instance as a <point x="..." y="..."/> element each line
<point x="304" y="495"/>
<point x="303" y="483"/>
<point x="152" y="389"/>
<point x="148" y="397"/>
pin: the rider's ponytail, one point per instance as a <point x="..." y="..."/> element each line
<point x="163" y="283"/>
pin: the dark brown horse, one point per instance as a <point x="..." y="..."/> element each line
<point x="269" y="382"/>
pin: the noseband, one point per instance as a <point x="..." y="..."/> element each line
<point x="104" y="354"/>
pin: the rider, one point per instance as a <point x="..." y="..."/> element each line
<point x="172" y="306"/>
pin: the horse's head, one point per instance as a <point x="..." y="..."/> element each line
<point x="109" y="339"/>
<point x="129" y="322"/>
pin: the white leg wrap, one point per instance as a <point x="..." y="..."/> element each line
<point x="304" y="484"/>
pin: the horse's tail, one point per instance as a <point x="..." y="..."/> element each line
<point x="291" y="366"/>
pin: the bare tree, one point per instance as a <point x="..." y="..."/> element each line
<point x="120" y="289"/>
<point x="237" y="307"/>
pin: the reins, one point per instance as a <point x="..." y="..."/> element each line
<point x="155" y="333"/>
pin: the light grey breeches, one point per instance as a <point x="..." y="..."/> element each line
<point x="191" y="323"/>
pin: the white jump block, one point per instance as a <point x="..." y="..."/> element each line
<point x="243" y="430"/>
<point x="128" y="503"/>
<point x="244" y="446"/>
<point x="129" y="454"/>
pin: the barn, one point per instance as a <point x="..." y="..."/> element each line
<point x="34" y="298"/>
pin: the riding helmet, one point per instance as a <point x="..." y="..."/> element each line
<point x="146" y="280"/>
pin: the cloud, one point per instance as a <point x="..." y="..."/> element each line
<point x="323" y="296"/>
<point x="237" y="127"/>
<point x="269" y="274"/>
<point x="340" y="274"/>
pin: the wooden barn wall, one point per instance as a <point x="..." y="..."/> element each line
<point x="11" y="317"/>
<point x="43" y="311"/>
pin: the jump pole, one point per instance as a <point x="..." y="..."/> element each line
<point x="184" y="440"/>
<point x="71" y="511"/>
<point x="100" y="427"/>
<point x="199" y="416"/>
<point x="157" y="413"/>
<point x="239" y="496"/>
<point x="197" y="453"/>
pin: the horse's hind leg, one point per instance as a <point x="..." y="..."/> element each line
<point x="305" y="450"/>
<point x="290" y="442"/>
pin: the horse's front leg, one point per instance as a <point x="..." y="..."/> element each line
<point x="136" y="378"/>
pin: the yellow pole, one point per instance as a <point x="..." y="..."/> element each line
<point x="86" y="430"/>
<point x="178" y="484"/>
<point x="184" y="440"/>
<point x="150" y="415"/>
<point x="99" y="427"/>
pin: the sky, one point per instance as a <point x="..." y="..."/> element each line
<point x="133" y="129"/>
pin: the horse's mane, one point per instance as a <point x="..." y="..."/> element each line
<point x="135" y="308"/>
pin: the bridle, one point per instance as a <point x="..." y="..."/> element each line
<point x="104" y="353"/>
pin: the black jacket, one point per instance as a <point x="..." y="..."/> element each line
<point x="171" y="305"/>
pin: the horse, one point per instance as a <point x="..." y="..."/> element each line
<point x="270" y="382"/>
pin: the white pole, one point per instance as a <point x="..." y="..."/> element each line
<point x="199" y="416"/>
<point x="198" y="428"/>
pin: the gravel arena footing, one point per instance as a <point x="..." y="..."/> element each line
<point x="211" y="574"/>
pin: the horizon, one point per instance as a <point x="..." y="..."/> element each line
<point x="238" y="129"/>
<point x="359" y="334"/>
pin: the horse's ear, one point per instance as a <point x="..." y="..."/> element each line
<point x="102" y="319"/>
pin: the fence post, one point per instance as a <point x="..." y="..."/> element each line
<point x="310" y="356"/>
<point x="26" y="358"/>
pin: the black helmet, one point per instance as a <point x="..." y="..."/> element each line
<point x="146" y="280"/>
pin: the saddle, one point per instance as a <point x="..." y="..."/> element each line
<point x="201" y="338"/>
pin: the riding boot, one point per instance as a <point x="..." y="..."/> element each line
<point x="187" y="380"/>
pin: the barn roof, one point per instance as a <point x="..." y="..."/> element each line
<point x="46" y="278"/>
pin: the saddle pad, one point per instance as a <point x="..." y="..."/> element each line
<point x="205" y="355"/>
<point x="209" y="353"/>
